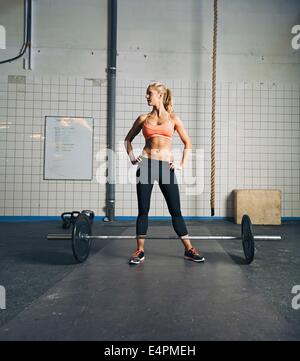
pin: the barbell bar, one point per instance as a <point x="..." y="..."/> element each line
<point x="82" y="237"/>
<point x="68" y="237"/>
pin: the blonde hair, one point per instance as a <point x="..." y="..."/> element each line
<point x="167" y="95"/>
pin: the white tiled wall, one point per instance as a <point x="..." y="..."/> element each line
<point x="257" y="143"/>
<point x="24" y="103"/>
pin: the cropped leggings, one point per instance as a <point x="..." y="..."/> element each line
<point x="150" y="170"/>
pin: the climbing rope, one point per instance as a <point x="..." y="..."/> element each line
<point x="213" y="112"/>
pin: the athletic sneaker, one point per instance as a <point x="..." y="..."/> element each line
<point x="137" y="257"/>
<point x="194" y="255"/>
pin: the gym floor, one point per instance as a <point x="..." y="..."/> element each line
<point x="50" y="297"/>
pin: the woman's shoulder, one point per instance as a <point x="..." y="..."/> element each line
<point x="141" y="118"/>
<point x="174" y="118"/>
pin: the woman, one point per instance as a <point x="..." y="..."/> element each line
<point x="157" y="163"/>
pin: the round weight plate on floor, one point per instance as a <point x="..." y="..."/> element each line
<point x="248" y="239"/>
<point x="80" y="245"/>
<point x="90" y="214"/>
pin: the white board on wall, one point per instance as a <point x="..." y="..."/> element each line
<point x="68" y="152"/>
<point x="2" y="37"/>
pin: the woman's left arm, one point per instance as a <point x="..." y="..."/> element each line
<point x="179" y="127"/>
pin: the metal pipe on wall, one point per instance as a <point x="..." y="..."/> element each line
<point x="29" y="25"/>
<point x="111" y="107"/>
<point x="27" y="59"/>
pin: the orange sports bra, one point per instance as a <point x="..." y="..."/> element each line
<point x="165" y="130"/>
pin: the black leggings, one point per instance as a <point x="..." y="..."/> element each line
<point x="148" y="171"/>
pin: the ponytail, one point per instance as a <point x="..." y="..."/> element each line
<point x="168" y="101"/>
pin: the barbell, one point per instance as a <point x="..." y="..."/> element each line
<point x="69" y="218"/>
<point x="81" y="238"/>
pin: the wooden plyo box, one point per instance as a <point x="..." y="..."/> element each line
<point x="263" y="206"/>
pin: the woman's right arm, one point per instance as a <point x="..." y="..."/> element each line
<point x="134" y="131"/>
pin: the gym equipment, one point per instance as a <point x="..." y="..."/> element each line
<point x="248" y="239"/>
<point x="69" y="218"/>
<point x="81" y="238"/>
<point x="90" y="214"/>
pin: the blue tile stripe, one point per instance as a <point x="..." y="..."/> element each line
<point x="123" y="218"/>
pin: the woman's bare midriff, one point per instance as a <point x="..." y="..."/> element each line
<point x="158" y="148"/>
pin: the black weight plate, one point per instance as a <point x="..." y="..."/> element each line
<point x="80" y="245"/>
<point x="248" y="239"/>
<point x="90" y="214"/>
